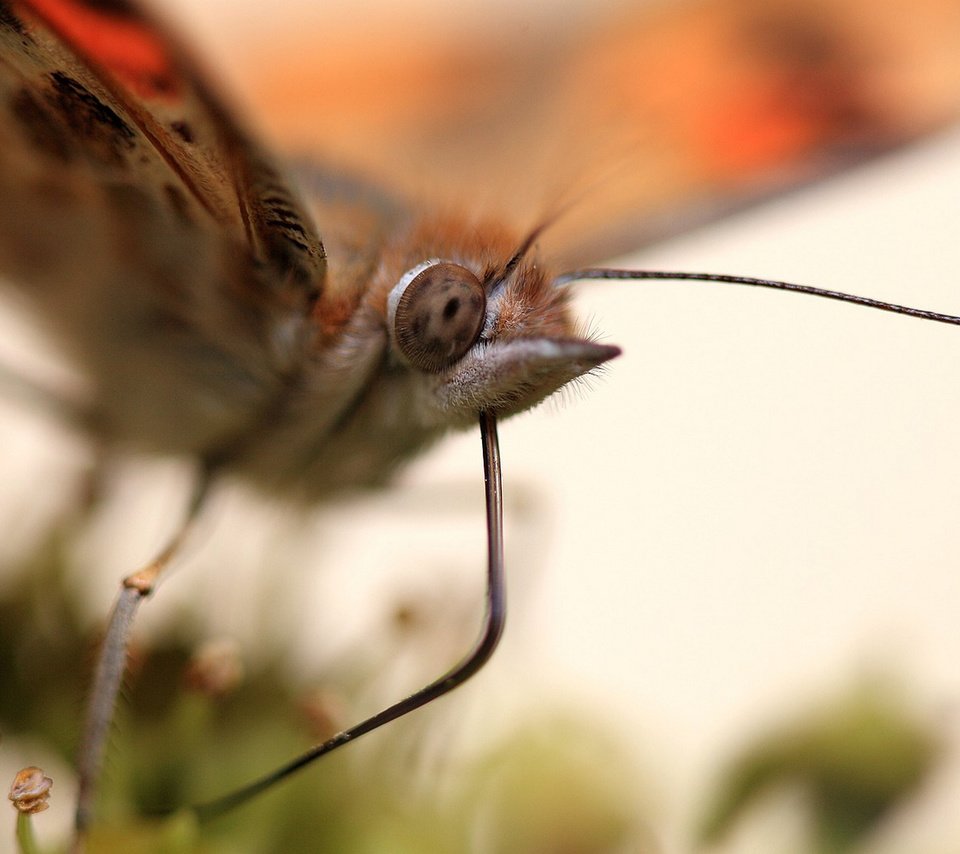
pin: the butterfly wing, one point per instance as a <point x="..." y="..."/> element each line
<point x="159" y="240"/>
<point x="638" y="122"/>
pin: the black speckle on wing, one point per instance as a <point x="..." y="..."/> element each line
<point x="287" y="226"/>
<point x="288" y="242"/>
<point x="104" y="135"/>
<point x="184" y="131"/>
<point x="285" y="260"/>
<point x="9" y="21"/>
<point x="281" y="216"/>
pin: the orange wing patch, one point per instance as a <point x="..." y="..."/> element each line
<point x="122" y="46"/>
<point x="650" y="117"/>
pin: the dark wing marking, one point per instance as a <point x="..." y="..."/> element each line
<point x="160" y="243"/>
<point x="130" y="62"/>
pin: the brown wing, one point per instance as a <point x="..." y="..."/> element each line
<point x="158" y="240"/>
<point x="104" y="79"/>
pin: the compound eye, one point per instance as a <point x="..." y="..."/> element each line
<point x="439" y="315"/>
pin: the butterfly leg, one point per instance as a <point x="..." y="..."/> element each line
<point x="112" y="658"/>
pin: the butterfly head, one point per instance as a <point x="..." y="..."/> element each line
<point x="483" y="335"/>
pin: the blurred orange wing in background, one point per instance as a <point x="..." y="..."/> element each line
<point x="639" y="122"/>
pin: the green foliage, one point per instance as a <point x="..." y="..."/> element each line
<point x="551" y="787"/>
<point x="857" y="761"/>
<point x="555" y="786"/>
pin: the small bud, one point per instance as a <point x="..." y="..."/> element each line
<point x="30" y="790"/>
<point x="215" y="668"/>
<point x="407" y="617"/>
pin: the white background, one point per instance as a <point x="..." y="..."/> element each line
<point x="753" y="508"/>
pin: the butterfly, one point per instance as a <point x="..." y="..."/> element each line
<point x="207" y="276"/>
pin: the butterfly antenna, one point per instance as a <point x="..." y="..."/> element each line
<point x="605" y="273"/>
<point x="503" y="273"/>
<point x="483" y="648"/>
